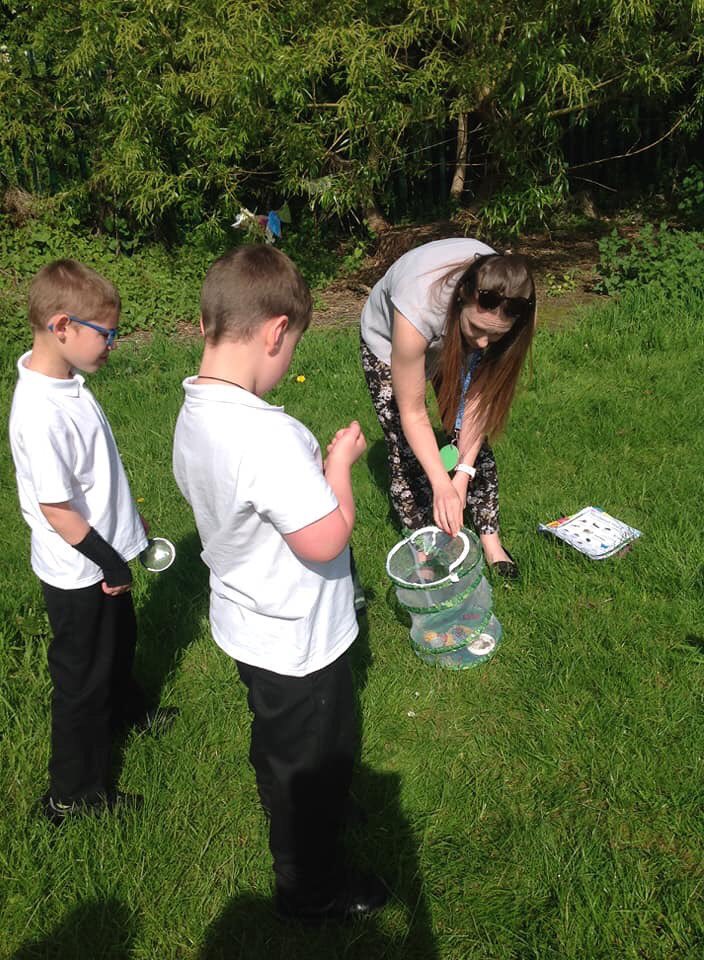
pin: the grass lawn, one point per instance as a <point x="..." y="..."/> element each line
<point x="546" y="805"/>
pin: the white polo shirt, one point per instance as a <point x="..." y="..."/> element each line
<point x="411" y="286"/>
<point x="64" y="451"/>
<point x="251" y="474"/>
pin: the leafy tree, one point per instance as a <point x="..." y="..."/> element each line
<point x="174" y="112"/>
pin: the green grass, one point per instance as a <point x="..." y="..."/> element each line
<point x="547" y="805"/>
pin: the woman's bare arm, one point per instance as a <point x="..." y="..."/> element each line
<point x="472" y="433"/>
<point x="408" y="352"/>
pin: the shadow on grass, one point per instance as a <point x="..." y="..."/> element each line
<point x="378" y="463"/>
<point x="248" y="927"/>
<point x="360" y="655"/>
<point x="170" y="618"/>
<point x="102" y="929"/>
<point x="168" y="621"/>
<point x="697" y="643"/>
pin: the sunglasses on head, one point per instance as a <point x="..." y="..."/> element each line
<point x="515" y="308"/>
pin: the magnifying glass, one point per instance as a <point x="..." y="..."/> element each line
<point x="158" y="555"/>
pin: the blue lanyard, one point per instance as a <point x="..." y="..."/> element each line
<point x="472" y="365"/>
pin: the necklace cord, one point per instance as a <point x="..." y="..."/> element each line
<point x="206" y="376"/>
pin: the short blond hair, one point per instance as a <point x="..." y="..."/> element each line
<point x="68" y="286"/>
<point x="248" y="286"/>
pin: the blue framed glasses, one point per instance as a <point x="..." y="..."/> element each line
<point x="110" y="334"/>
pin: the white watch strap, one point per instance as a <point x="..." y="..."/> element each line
<point x="465" y="468"/>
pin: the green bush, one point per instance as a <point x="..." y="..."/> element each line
<point x="670" y="259"/>
<point x="166" y="114"/>
<point x="691" y="195"/>
<point x="159" y="287"/>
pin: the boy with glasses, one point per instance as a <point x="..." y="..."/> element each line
<point x="75" y="496"/>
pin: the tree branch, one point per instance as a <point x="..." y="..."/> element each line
<point x="632" y="153"/>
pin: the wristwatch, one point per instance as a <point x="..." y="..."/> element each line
<point x="465" y="468"/>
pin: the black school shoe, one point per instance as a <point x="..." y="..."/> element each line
<point x="57" y="812"/>
<point x="360" y="896"/>
<point x="360" y="599"/>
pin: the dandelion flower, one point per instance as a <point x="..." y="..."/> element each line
<point x="300" y="378"/>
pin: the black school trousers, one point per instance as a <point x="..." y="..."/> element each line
<point x="304" y="740"/>
<point x="94" y="693"/>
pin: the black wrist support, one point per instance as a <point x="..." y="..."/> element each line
<point x="115" y="570"/>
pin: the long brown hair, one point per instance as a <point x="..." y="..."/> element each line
<point x="496" y="378"/>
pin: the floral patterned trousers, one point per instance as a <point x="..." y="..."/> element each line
<point x="410" y="492"/>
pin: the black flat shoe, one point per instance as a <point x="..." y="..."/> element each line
<point x="507" y="569"/>
<point x="362" y="894"/>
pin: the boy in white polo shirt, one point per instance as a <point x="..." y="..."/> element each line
<point x="274" y="523"/>
<point x="75" y="496"/>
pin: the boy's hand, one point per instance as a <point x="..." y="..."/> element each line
<point x="347" y="446"/>
<point x="115" y="591"/>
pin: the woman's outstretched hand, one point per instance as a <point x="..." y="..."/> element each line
<point x="448" y="508"/>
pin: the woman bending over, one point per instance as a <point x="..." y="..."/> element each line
<point x="459" y="314"/>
